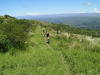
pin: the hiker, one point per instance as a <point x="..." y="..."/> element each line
<point x="48" y="38"/>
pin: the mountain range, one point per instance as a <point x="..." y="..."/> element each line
<point x="81" y="20"/>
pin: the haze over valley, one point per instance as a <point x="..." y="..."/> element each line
<point x="81" y="20"/>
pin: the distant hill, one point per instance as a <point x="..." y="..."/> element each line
<point x="82" y="20"/>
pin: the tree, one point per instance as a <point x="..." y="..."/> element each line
<point x="8" y="16"/>
<point x="58" y="27"/>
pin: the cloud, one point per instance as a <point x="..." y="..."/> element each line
<point x="87" y="4"/>
<point x="96" y="10"/>
<point x="78" y="11"/>
<point x="33" y="13"/>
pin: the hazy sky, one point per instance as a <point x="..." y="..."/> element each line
<point x="39" y="7"/>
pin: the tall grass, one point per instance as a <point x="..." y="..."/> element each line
<point x="67" y="54"/>
<point x="81" y="53"/>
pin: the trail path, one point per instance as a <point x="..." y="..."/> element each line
<point x="40" y="41"/>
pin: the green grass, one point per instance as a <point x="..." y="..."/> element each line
<point x="64" y="56"/>
<point x="37" y="61"/>
<point x="82" y="56"/>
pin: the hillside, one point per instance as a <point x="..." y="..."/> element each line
<point x="69" y="52"/>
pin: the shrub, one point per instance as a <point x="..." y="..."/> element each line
<point x="16" y="32"/>
<point x="4" y="43"/>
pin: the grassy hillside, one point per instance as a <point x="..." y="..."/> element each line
<point x="67" y="54"/>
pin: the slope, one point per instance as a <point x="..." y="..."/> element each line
<point x="39" y="59"/>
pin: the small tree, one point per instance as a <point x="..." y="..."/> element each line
<point x="58" y="27"/>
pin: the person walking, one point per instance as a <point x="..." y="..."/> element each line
<point x="47" y="38"/>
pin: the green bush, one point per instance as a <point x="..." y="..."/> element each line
<point x="4" y="43"/>
<point x="16" y="31"/>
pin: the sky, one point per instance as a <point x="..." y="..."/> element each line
<point x="44" y="7"/>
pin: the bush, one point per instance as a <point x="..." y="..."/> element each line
<point x="4" y="43"/>
<point x="15" y="32"/>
